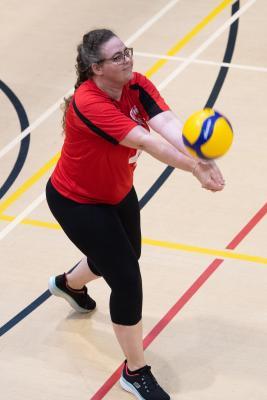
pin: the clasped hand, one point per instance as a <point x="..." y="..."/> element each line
<point x="209" y="175"/>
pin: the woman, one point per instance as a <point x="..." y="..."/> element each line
<point x="91" y="191"/>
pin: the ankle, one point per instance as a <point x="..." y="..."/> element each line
<point x="72" y="284"/>
<point x="134" y="366"/>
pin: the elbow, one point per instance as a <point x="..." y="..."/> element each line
<point x="143" y="143"/>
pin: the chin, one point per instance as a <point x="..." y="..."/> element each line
<point x="128" y="75"/>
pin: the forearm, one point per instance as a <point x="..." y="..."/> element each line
<point x="167" y="153"/>
<point x="170" y="128"/>
<point x="208" y="174"/>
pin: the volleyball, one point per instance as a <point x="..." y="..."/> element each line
<point x="207" y="134"/>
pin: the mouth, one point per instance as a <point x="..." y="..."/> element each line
<point x="128" y="67"/>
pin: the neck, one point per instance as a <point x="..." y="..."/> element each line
<point x="114" y="90"/>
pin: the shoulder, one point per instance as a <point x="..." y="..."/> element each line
<point x="141" y="83"/>
<point x="139" y="79"/>
<point x="89" y="95"/>
<point x="149" y="96"/>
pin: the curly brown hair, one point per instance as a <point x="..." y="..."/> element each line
<point x="89" y="52"/>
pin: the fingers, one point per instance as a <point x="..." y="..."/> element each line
<point x="214" y="172"/>
<point x="217" y="176"/>
<point x="209" y="176"/>
<point x="217" y="173"/>
<point x="213" y="188"/>
<point x="217" y="179"/>
<point x="212" y="185"/>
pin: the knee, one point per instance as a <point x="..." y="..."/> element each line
<point x="93" y="267"/>
<point x="126" y="300"/>
<point x="137" y="245"/>
<point x="138" y="252"/>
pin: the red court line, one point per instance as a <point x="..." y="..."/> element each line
<point x="158" y="328"/>
<point x="250" y="225"/>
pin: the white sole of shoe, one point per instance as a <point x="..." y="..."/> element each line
<point x="129" y="388"/>
<point x="59" y="293"/>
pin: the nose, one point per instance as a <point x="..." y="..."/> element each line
<point x="126" y="58"/>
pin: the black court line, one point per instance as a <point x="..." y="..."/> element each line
<point x="24" y="144"/>
<point x="162" y="178"/>
<point x="210" y="102"/>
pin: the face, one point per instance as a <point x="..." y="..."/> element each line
<point x="116" y="67"/>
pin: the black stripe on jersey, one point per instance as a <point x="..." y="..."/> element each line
<point x="149" y="104"/>
<point x="93" y="127"/>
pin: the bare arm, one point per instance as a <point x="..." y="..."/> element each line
<point x="169" y="127"/>
<point x="139" y="138"/>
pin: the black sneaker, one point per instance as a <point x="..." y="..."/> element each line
<point x="78" y="299"/>
<point x="142" y="384"/>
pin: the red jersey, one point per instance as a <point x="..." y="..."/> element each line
<point x="94" y="167"/>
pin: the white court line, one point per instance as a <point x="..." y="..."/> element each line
<point x="55" y="106"/>
<point x="205" y="62"/>
<point x="203" y="47"/>
<point x="4" y="232"/>
<point x="34" y="125"/>
<point x="163" y="84"/>
<point x="149" y="23"/>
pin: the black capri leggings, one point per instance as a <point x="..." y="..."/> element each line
<point x="110" y="237"/>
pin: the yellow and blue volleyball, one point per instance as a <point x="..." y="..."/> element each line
<point x="207" y="134"/>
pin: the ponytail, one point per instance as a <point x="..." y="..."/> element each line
<point x="89" y="52"/>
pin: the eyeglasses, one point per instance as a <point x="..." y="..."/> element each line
<point x="119" y="58"/>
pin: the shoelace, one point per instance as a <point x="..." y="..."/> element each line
<point x="148" y="379"/>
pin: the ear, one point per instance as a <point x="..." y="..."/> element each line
<point x="97" y="69"/>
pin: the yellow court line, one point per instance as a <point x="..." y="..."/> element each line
<point x="11" y="199"/>
<point x="189" y="36"/>
<point x="33" y="222"/>
<point x="28" y="183"/>
<point x="203" y="250"/>
<point x="158" y="243"/>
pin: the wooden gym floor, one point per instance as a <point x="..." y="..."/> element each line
<point x="204" y="260"/>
